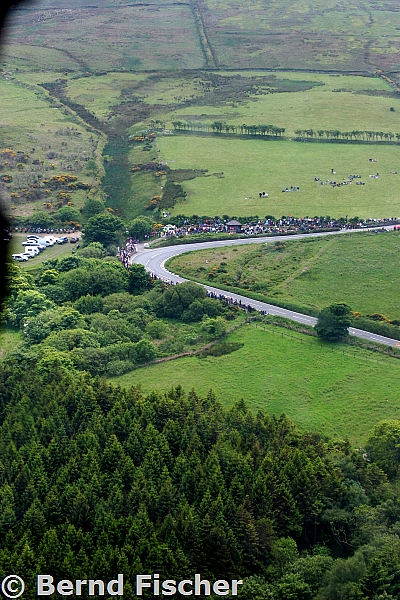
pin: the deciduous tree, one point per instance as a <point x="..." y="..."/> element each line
<point x="103" y="228"/>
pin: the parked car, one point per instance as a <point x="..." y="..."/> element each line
<point x="38" y="244"/>
<point x="34" y="250"/>
<point x="62" y="240"/>
<point x="50" y="240"/>
<point x="20" y="257"/>
<point x="73" y="240"/>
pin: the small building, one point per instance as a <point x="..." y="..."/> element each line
<point x="234" y="226"/>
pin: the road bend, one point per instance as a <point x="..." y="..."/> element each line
<point x="154" y="259"/>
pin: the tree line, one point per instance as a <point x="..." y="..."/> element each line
<point x="272" y="130"/>
<point x="336" y="134"/>
<point x="221" y="127"/>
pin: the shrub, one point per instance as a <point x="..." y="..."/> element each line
<point x="118" y="367"/>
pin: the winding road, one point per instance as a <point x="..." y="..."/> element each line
<point x="154" y="259"/>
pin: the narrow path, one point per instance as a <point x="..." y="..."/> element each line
<point x="154" y="261"/>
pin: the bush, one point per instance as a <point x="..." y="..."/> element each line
<point x="215" y="328"/>
<point x="68" y="214"/>
<point x="221" y="348"/>
<point x="93" y="360"/>
<point x="41" y="219"/>
<point x="383" y="447"/>
<point x="125" y="303"/>
<point x="145" y="351"/>
<point x="49" y="276"/>
<point x="173" y="301"/>
<point x="96" y="278"/>
<point x="194" y="312"/>
<point x="93" y="250"/>
<point x="68" y="263"/>
<point x="27" y="304"/>
<point x="72" y="338"/>
<point x="118" y="367"/>
<point x="139" y="279"/>
<point x="157" y="329"/>
<point x="57" y="319"/>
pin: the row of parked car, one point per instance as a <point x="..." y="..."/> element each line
<point x="35" y="244"/>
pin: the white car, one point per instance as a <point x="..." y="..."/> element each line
<point x="39" y="244"/>
<point x="34" y="250"/>
<point x="46" y="241"/>
<point x="50" y="240"/>
<point x="20" y="257"/>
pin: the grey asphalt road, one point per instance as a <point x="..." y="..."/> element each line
<point x="154" y="261"/>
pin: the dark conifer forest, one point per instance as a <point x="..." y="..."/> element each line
<point x="96" y="480"/>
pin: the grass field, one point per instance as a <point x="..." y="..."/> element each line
<point x="359" y="269"/>
<point x="251" y="166"/>
<point x="304" y="100"/>
<point x="28" y="119"/>
<point x="341" y="393"/>
<point x="358" y="106"/>
<point x="311" y="101"/>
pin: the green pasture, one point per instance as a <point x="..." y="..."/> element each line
<point x="24" y="115"/>
<point x="360" y="269"/>
<point x="357" y="107"/>
<point x="250" y="166"/>
<point x="334" y="390"/>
